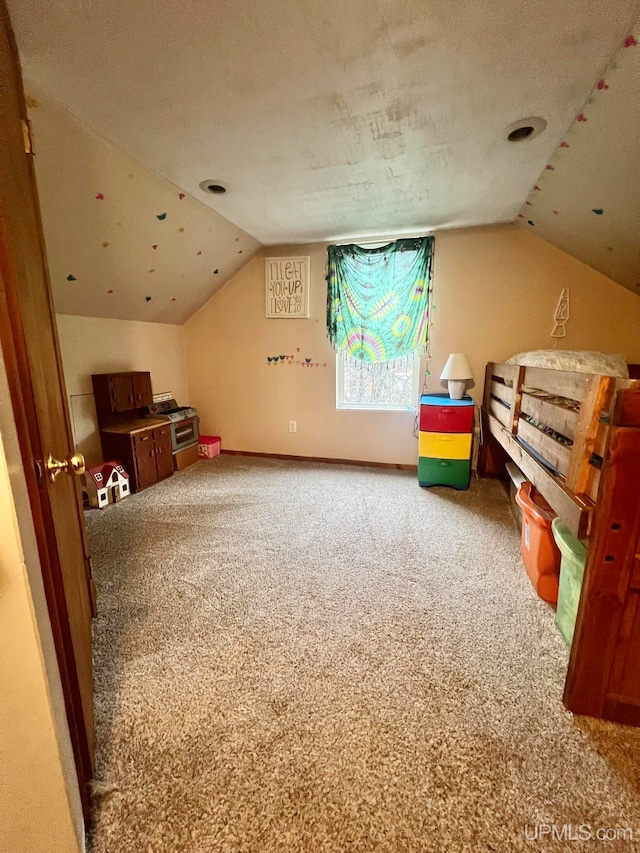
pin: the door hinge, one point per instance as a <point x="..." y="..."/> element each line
<point x="27" y="135"/>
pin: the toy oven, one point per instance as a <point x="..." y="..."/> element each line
<point x="184" y="433"/>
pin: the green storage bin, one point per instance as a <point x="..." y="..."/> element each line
<point x="574" y="555"/>
<point x="444" y="472"/>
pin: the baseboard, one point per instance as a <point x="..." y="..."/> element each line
<point x="395" y="465"/>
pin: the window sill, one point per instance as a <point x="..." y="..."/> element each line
<point x="359" y="407"/>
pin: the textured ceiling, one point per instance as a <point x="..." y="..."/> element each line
<point x="587" y="200"/>
<point x="121" y="241"/>
<point x="345" y="118"/>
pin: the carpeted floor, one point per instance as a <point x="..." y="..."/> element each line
<point x="305" y="657"/>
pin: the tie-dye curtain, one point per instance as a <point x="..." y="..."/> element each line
<point x="378" y="299"/>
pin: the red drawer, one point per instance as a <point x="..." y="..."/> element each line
<point x="446" y="418"/>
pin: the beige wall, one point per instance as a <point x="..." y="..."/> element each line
<point x="95" y="345"/>
<point x="39" y="799"/>
<point x="495" y="293"/>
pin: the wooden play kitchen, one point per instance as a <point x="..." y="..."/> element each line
<point x="576" y="437"/>
<point x="144" y="447"/>
<point x="152" y="438"/>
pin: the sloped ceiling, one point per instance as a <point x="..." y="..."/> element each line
<point x="587" y="200"/>
<point x="121" y="241"/>
<point x="345" y="118"/>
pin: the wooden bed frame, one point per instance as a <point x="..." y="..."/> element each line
<point x="576" y="437"/>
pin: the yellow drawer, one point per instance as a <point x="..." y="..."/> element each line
<point x="445" y="445"/>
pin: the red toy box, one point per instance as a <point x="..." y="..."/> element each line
<point x="209" y="446"/>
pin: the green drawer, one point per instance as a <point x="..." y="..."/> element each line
<point x="444" y="472"/>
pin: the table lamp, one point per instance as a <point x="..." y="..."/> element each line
<point x="457" y="372"/>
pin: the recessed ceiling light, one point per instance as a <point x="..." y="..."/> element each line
<point x="519" y="133"/>
<point x="211" y="186"/>
<point x="526" y="128"/>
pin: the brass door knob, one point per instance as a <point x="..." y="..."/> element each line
<point x="74" y="464"/>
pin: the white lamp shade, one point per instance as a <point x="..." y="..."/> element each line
<point x="457" y="367"/>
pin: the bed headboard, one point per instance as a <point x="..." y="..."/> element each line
<point x="555" y="422"/>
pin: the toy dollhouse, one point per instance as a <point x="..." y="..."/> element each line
<point x="104" y="484"/>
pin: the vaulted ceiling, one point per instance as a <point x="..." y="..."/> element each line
<point x="347" y="118"/>
<point x="587" y="200"/>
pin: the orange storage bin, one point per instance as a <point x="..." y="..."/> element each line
<point x="538" y="548"/>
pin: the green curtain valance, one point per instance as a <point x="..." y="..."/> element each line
<point x="378" y="299"/>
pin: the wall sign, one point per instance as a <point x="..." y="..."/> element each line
<point x="287" y="287"/>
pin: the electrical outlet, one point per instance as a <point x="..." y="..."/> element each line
<point x="293" y="426"/>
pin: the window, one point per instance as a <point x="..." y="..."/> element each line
<point x="378" y="301"/>
<point x="390" y="386"/>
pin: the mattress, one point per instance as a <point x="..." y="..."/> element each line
<point x="579" y="361"/>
